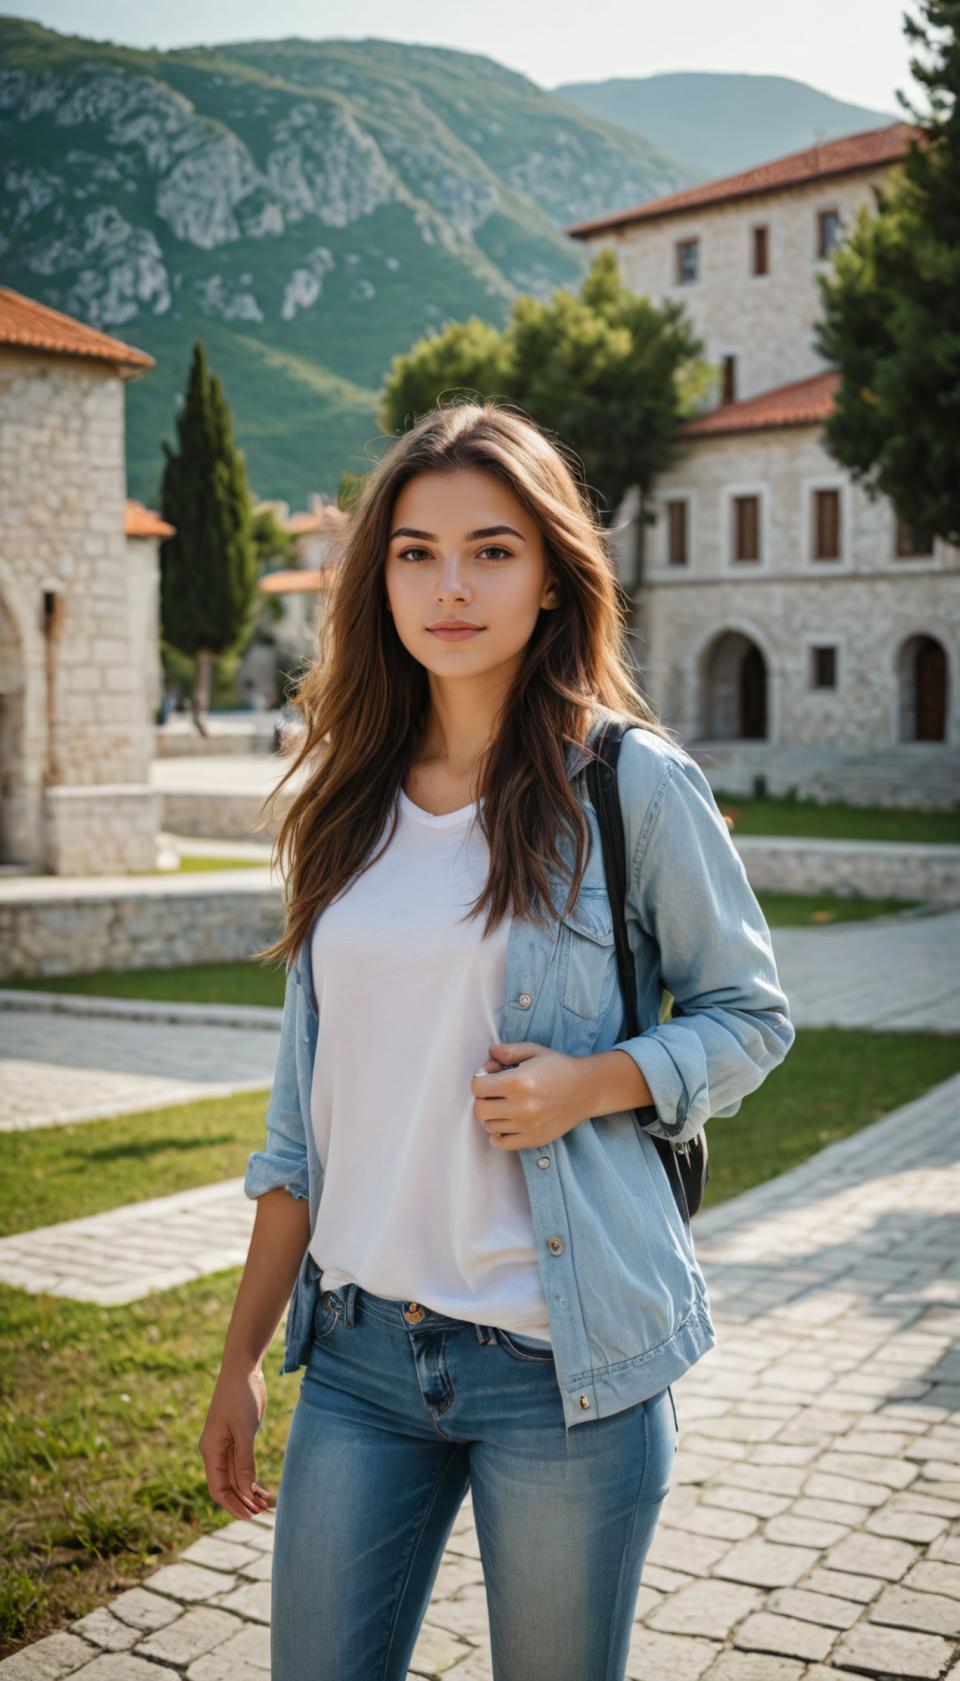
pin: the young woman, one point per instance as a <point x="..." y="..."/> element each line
<point x="492" y="1285"/>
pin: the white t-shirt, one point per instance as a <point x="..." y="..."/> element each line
<point x="417" y="1202"/>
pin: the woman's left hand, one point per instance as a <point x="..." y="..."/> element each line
<point x="527" y="1106"/>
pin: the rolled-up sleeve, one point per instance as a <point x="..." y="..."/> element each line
<point x="689" y="891"/>
<point x="283" y="1160"/>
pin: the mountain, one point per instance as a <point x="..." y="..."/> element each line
<point x="307" y="208"/>
<point x="723" y="123"/>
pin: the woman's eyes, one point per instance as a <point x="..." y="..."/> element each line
<point x="495" y="548"/>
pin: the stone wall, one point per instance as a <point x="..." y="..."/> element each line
<point x="866" y="604"/>
<point x="82" y="932"/>
<point x="86" y="827"/>
<point x="74" y="705"/>
<point x="764" y="320"/>
<point x="158" y="924"/>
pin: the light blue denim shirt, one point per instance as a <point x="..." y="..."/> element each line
<point x="628" y="1306"/>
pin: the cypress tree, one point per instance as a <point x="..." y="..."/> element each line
<point x="208" y="577"/>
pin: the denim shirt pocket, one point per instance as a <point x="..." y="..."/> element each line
<point x="586" y="956"/>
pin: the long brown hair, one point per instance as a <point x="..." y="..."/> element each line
<point x="365" y="699"/>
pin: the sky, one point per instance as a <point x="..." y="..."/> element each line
<point x="852" y="49"/>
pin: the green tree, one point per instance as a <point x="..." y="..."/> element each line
<point x="891" y="307"/>
<point x="348" y="489"/>
<point x="606" y="371"/>
<point x="464" y="358"/>
<point x="208" y="569"/>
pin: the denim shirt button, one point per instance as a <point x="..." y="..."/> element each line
<point x="584" y="1400"/>
<point x="555" y="1245"/>
<point x="525" y="1000"/>
<point x="543" y="1161"/>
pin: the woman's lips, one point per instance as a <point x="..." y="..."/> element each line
<point x="456" y="635"/>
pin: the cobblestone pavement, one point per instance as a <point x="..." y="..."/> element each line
<point x="898" y="973"/>
<point x="68" y="1058"/>
<point x="813" y="1525"/>
<point x="121" y="1255"/>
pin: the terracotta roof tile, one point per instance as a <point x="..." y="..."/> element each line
<point x="330" y="518"/>
<point x="33" y="325"/>
<point x="297" y="580"/>
<point x="143" y="522"/>
<point x="871" y="149"/>
<point x="801" y="403"/>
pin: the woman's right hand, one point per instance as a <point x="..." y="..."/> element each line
<point x="234" y="1416"/>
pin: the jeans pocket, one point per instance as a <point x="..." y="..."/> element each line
<point x="518" y="1350"/>
<point x="327" y="1314"/>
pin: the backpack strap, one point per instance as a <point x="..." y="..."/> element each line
<point x="605" y="740"/>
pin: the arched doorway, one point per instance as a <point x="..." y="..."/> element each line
<point x="734" y="689"/>
<point x="922" y="686"/>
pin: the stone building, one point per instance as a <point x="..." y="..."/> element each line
<point x="301" y="589"/>
<point x="77" y="600"/>
<point x="789" y="625"/>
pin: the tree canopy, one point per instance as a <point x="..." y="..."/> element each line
<point x="605" y="370"/>
<point x="891" y="307"/>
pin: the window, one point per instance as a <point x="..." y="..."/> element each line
<point x="677" y="533"/>
<point x="913" y="539"/>
<point x="746" y="528"/>
<point x="826" y="525"/>
<point x="761" y="256"/>
<point x="823" y="668"/>
<point x="688" y="260"/>
<point x="729" y="389"/>
<point x="828" y="231"/>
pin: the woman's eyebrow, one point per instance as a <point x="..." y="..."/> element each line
<point x="431" y="536"/>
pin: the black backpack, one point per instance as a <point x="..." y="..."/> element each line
<point x="686" y="1164"/>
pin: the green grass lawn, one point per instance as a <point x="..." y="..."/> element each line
<point x="807" y="819"/>
<point x="198" y="983"/>
<point x="197" y="861"/>
<point x="101" y="1408"/>
<point x="64" y="1172"/>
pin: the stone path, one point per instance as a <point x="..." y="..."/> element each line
<point x="121" y="1255"/>
<point x="813" y="1525"/>
<point x="69" y="1058"/>
<point x="892" y="974"/>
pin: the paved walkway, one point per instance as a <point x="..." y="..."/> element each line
<point x="123" y="1254"/>
<point x="69" y="1058"/>
<point x="892" y="974"/>
<point x="813" y="1525"/>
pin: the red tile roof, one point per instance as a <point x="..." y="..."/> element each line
<point x="34" y="326"/>
<point x="143" y="522"/>
<point x="801" y="403"/>
<point x="872" y="149"/>
<point x="329" y="518"/>
<point x="298" y="580"/>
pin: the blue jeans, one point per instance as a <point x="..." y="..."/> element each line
<point x="396" y="1419"/>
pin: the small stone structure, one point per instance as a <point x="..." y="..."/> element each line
<point x="77" y="693"/>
